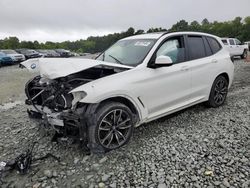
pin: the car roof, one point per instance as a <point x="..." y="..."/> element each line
<point x="146" y="36"/>
<point x="157" y="35"/>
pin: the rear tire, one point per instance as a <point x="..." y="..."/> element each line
<point x="218" y="92"/>
<point x="111" y="127"/>
<point x="244" y="55"/>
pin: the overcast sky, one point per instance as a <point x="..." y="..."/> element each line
<point x="60" y="20"/>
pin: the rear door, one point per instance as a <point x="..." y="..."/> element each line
<point x="202" y="65"/>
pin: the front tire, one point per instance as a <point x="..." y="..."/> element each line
<point x="244" y="55"/>
<point x="218" y="92"/>
<point x="111" y="128"/>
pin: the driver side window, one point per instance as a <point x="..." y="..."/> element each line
<point x="174" y="48"/>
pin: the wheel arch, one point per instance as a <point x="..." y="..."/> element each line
<point x="124" y="100"/>
<point x="225" y="75"/>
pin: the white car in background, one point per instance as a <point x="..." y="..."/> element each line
<point x="235" y="47"/>
<point x="248" y="44"/>
<point x="138" y="79"/>
<point x="16" y="57"/>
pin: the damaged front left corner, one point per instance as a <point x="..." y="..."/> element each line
<point x="50" y="95"/>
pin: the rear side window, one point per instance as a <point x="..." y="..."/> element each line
<point x="196" y="47"/>
<point x="207" y="47"/>
<point x="231" y="41"/>
<point x="224" y="41"/>
<point x="215" y="46"/>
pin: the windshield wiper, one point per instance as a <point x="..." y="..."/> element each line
<point x="117" y="60"/>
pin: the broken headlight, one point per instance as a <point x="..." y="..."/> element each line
<point x="77" y="96"/>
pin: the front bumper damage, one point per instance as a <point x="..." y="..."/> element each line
<point x="69" y="123"/>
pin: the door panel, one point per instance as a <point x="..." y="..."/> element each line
<point x="165" y="87"/>
<point x="202" y="70"/>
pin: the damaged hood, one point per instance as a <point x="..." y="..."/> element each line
<point x="59" y="67"/>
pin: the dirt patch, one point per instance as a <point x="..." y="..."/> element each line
<point x="12" y="81"/>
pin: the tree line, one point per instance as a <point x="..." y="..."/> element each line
<point x="238" y="28"/>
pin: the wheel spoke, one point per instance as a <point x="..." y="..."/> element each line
<point x="119" y="117"/>
<point x="123" y="137"/>
<point x="104" y="129"/>
<point x="111" y="138"/>
<point x="223" y="91"/>
<point x="122" y="123"/>
<point x="114" y="115"/>
<point x="124" y="127"/>
<point x="106" y="137"/>
<point x="117" y="138"/>
<point x="216" y="98"/>
<point x="219" y="98"/>
<point x="107" y="122"/>
<point x="216" y="88"/>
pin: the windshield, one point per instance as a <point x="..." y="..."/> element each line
<point x="9" y="51"/>
<point x="129" y="52"/>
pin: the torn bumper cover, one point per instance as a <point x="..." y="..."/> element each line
<point x="68" y="123"/>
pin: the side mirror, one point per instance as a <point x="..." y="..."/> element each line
<point x="163" y="61"/>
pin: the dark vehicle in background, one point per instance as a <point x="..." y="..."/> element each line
<point x="5" y="60"/>
<point x="28" y="53"/>
<point x="63" y="53"/>
<point x="16" y="57"/>
<point x="48" y="53"/>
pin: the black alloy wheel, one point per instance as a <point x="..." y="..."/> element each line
<point x="114" y="129"/>
<point x="218" y="93"/>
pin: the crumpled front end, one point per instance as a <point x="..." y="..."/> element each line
<point x="53" y="101"/>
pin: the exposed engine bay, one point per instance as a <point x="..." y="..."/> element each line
<point x="54" y="94"/>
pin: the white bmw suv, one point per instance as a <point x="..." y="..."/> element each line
<point x="136" y="80"/>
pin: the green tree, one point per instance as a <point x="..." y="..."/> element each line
<point x="195" y="26"/>
<point x="238" y="27"/>
<point x="182" y="25"/>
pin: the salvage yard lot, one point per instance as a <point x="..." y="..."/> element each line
<point x="198" y="147"/>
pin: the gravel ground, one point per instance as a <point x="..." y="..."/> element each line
<point x="197" y="147"/>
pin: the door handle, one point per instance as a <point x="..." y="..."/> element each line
<point x="214" y="61"/>
<point x="184" y="68"/>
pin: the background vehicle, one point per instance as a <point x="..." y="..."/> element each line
<point x="136" y="80"/>
<point x="235" y="47"/>
<point x="63" y="53"/>
<point x="5" y="60"/>
<point x="14" y="55"/>
<point x="48" y="53"/>
<point x="248" y="44"/>
<point x="28" y="53"/>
